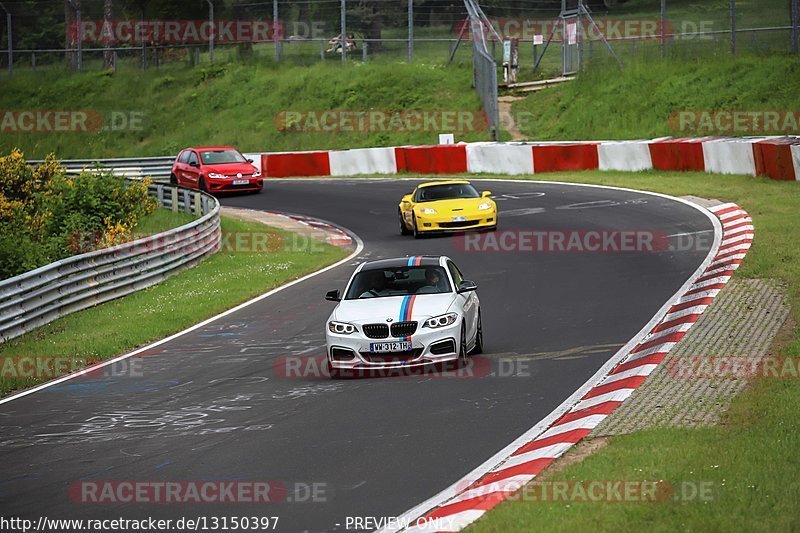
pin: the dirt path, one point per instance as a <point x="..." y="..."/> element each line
<point x="507" y="118"/>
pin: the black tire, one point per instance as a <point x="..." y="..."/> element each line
<point x="414" y="229"/>
<point x="462" y="349"/>
<point x="478" y="336"/>
<point x="202" y="184"/>
<point x="403" y="228"/>
<point x="173" y="180"/>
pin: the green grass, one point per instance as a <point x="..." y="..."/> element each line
<point x="751" y="461"/>
<point x="214" y="285"/>
<point x="232" y="103"/>
<point x="637" y="102"/>
<point x="161" y="220"/>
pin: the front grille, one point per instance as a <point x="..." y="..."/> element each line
<point x="392" y="357"/>
<point x="463" y="224"/>
<point x="404" y="329"/>
<point x="443" y="347"/>
<point x="376" y="331"/>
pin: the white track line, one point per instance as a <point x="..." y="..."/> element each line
<point x="358" y="250"/>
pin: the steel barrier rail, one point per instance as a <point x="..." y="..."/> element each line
<point x="49" y="292"/>
<point x="157" y="168"/>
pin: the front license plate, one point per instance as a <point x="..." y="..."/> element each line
<point x="383" y="347"/>
<point x="460" y="219"/>
<point x="241" y="182"/>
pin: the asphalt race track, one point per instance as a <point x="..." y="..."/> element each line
<point x="214" y="404"/>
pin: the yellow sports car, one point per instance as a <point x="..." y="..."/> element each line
<point x="446" y="206"/>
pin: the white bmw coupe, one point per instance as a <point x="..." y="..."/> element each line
<point x="404" y="312"/>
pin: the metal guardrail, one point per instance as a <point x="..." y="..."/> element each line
<point x="40" y="296"/>
<point x="157" y="168"/>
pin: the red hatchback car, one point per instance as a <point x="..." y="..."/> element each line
<point x="215" y="169"/>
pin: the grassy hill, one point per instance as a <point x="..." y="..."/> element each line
<point x="242" y="103"/>
<point x="637" y="101"/>
<point x="232" y="103"/>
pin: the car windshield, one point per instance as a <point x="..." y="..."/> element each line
<point x="399" y="281"/>
<point x="220" y="157"/>
<point x="450" y="191"/>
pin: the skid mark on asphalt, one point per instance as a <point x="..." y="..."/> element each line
<point x="577" y="352"/>
<point x="523" y="212"/>
<point x="196" y="420"/>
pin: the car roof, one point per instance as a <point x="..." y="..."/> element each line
<point x="441" y="182"/>
<point x="424" y="260"/>
<point x="209" y="148"/>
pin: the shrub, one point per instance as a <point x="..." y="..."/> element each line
<point x="44" y="212"/>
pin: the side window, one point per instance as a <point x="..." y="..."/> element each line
<point x="455" y="273"/>
<point x="184" y="157"/>
<point x="193" y="158"/>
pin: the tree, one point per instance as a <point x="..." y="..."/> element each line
<point x="108" y="17"/>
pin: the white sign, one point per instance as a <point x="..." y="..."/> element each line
<point x="572" y="33"/>
<point x="538" y="39"/>
<point x="447" y="138"/>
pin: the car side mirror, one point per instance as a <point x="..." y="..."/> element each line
<point x="467" y="286"/>
<point x="249" y="160"/>
<point x="407" y="198"/>
<point x="333" y="296"/>
<point x="486" y="194"/>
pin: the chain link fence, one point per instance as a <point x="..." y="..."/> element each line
<point x="72" y="35"/>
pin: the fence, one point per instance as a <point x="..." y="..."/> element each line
<point x="40" y="296"/>
<point x="392" y="30"/>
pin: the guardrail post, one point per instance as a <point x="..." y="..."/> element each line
<point x="187" y="202"/>
<point x="198" y="209"/>
<point x="160" y="195"/>
<point x="174" y="205"/>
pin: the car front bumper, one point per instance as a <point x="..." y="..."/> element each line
<point x="424" y="342"/>
<point x="226" y="185"/>
<point x="437" y="223"/>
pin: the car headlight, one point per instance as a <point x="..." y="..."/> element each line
<point x="341" y="328"/>
<point x="214" y="175"/>
<point x="440" y="321"/>
<point x="428" y="211"/>
<point x="484" y="206"/>
<point x="257" y="173"/>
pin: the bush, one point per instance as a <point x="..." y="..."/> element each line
<point x="47" y="215"/>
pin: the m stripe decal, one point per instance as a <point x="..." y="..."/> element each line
<point x="406" y="308"/>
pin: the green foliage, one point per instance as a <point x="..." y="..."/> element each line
<point x="46" y="215"/>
